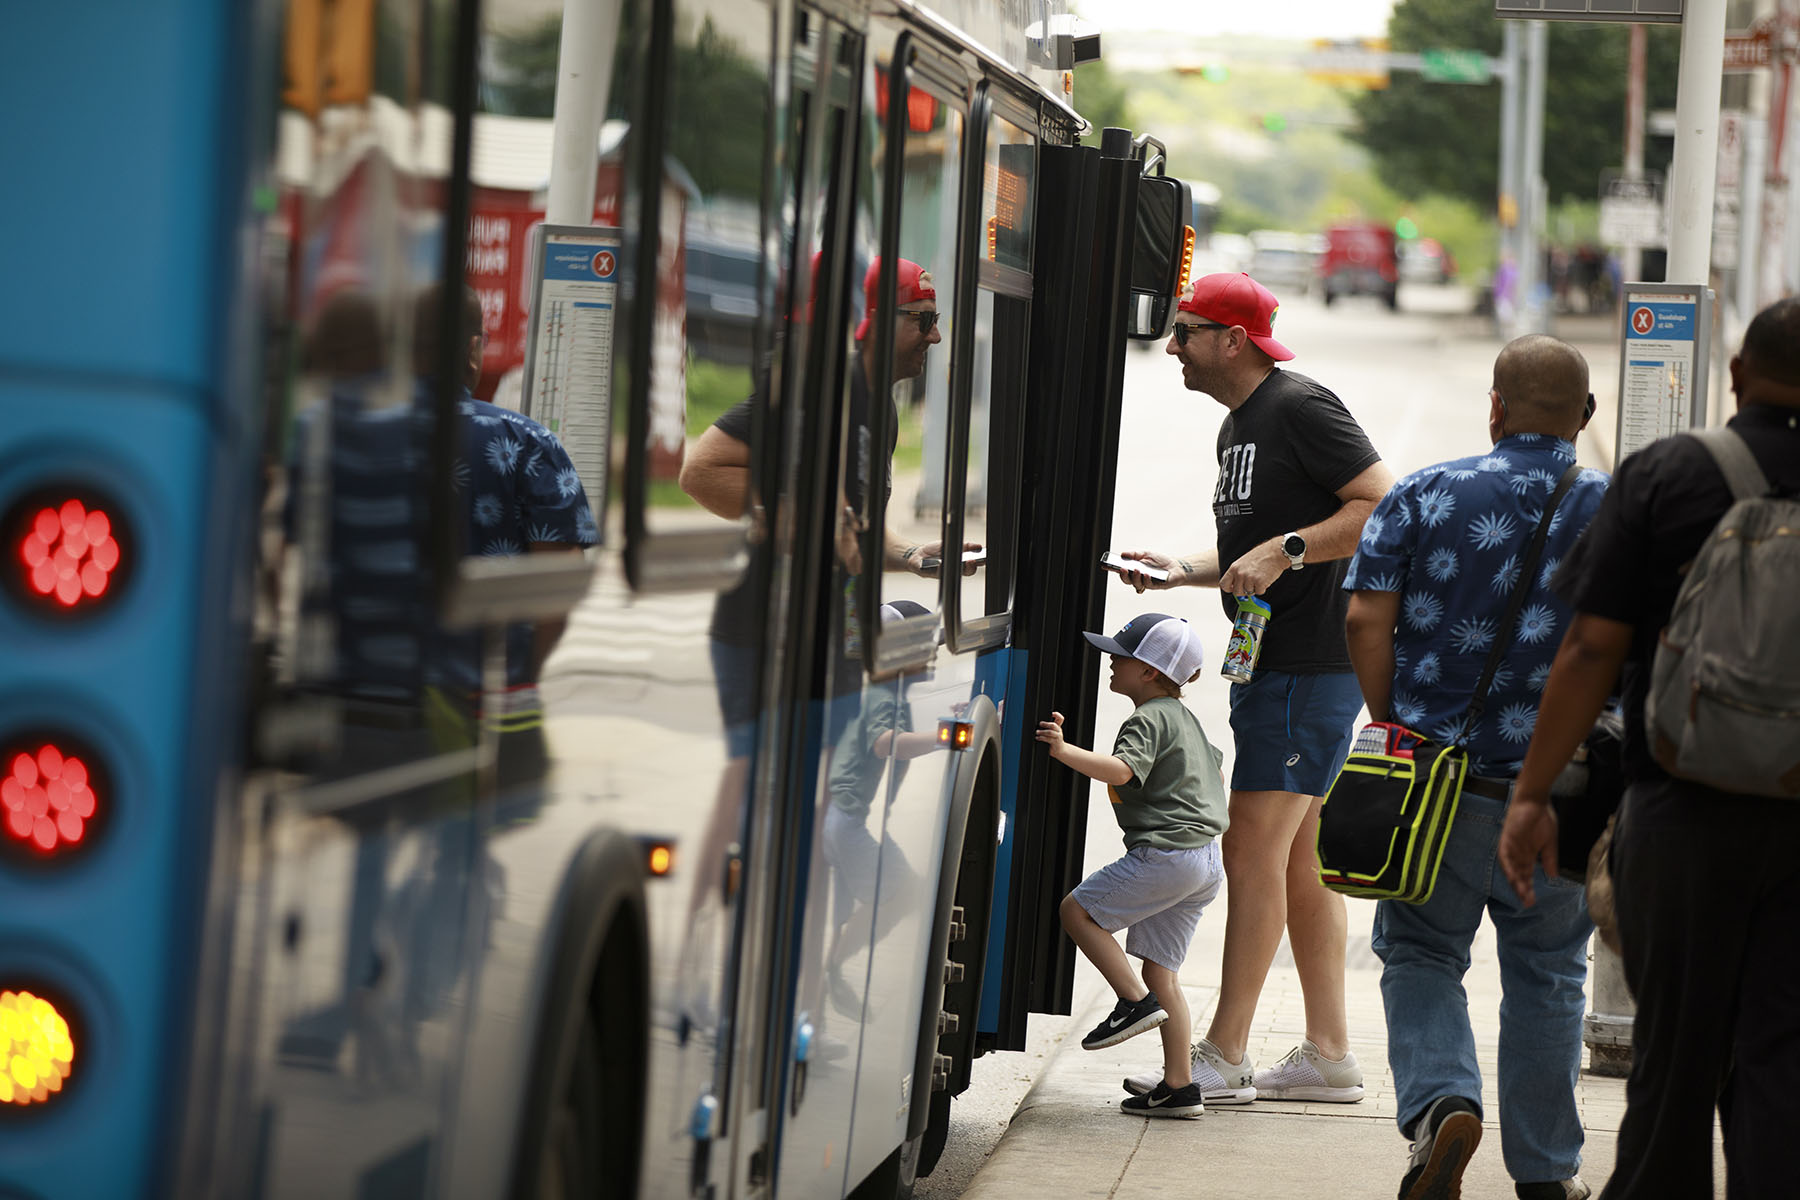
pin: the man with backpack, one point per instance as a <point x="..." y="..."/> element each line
<point x="1689" y="579"/>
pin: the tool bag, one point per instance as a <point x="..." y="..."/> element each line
<point x="1389" y="812"/>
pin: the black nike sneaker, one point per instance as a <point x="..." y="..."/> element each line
<point x="1164" y="1101"/>
<point x="1127" y="1019"/>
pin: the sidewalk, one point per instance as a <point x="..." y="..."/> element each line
<point x="1069" y="1139"/>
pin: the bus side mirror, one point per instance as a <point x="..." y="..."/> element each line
<point x="1162" y="254"/>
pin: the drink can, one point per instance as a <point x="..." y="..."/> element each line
<point x="1246" y="639"/>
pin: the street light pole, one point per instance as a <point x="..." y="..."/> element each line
<point x="1506" y="315"/>
<point x="1630" y="254"/>
<point x="1695" y="169"/>
<point x="1535" y="308"/>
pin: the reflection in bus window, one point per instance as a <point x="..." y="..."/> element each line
<point x="921" y="363"/>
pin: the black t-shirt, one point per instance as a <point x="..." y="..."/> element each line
<point x="1283" y="454"/>
<point x="1630" y="563"/>
<point x="736" y="618"/>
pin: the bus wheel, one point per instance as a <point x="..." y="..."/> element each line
<point x="963" y="963"/>
<point x="896" y="1177"/>
<point x="573" y="1163"/>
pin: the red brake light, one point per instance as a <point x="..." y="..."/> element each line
<point x="66" y="550"/>
<point x="51" y="795"/>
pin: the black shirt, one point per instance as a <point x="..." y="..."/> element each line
<point x="1283" y="454"/>
<point x="1629" y="564"/>
<point x="736" y="617"/>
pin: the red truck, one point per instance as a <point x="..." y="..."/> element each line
<point x="1360" y="260"/>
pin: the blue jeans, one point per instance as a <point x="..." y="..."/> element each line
<point x="1424" y="949"/>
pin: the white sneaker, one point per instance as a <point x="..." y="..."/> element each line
<point x="1220" y="1082"/>
<point x="1305" y="1074"/>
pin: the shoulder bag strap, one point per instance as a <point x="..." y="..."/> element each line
<point x="1735" y="462"/>
<point x="1527" y="571"/>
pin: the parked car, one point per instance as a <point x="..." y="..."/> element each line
<point x="1360" y="260"/>
<point x="1285" y="263"/>
<point x="1426" y="260"/>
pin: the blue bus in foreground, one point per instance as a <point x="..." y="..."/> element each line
<point x="403" y="798"/>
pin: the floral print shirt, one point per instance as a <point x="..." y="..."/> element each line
<point x="1449" y="539"/>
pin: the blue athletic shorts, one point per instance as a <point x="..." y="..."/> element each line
<point x="1292" y="732"/>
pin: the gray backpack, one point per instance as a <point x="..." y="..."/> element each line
<point x="1724" y="705"/>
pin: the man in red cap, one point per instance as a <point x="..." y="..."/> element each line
<point x="1297" y="479"/>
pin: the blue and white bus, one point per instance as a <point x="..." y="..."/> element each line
<point x="403" y="798"/>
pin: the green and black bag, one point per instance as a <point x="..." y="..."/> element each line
<point x="1389" y="812"/>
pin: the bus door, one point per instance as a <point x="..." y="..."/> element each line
<point x="1109" y="264"/>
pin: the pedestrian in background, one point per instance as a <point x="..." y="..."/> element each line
<point x="1430" y="588"/>
<point x="1297" y="479"/>
<point x="1164" y="781"/>
<point x="1706" y="883"/>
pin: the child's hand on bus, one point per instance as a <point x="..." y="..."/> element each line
<point x="1050" y="733"/>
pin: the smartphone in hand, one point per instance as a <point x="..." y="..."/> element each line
<point x="1114" y="562"/>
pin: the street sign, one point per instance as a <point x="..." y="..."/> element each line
<point x="1728" y="188"/>
<point x="1353" y="62"/>
<point x="1631" y="210"/>
<point x="1749" y="51"/>
<point x="1454" y="66"/>
<point x="1666" y="12"/>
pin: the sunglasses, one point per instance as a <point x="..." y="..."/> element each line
<point x="1185" y="329"/>
<point x="927" y="320"/>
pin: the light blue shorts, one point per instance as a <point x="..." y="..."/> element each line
<point x="1158" y="894"/>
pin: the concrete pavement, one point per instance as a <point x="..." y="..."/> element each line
<point x="1069" y="1139"/>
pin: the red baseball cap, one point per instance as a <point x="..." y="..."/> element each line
<point x="911" y="282"/>
<point x="1237" y="299"/>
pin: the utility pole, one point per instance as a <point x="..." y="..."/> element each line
<point x="1535" y="307"/>
<point x="1631" y="254"/>
<point x="1695" y="169"/>
<point x="1506" y="317"/>
<point x="583" y="75"/>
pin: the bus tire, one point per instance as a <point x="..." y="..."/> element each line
<point x="963" y="960"/>
<point x="582" y="1124"/>
<point x="896" y="1177"/>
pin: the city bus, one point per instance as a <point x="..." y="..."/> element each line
<point x="603" y="783"/>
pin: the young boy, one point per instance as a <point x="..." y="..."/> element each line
<point x="1163" y="777"/>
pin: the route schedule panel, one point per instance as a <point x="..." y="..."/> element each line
<point x="1662" y="380"/>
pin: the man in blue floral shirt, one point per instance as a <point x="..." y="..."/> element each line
<point x="1437" y="563"/>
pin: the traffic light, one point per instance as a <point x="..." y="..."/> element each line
<point x="1274" y="122"/>
<point x="1405" y="229"/>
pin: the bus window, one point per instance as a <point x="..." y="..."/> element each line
<point x="989" y="447"/>
<point x="709" y="299"/>
<point x="918" y="323"/>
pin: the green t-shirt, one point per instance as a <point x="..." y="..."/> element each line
<point x="1176" y="798"/>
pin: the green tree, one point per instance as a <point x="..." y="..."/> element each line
<point x="1102" y="99"/>
<point x="717" y="107"/>
<point x="1442" y="137"/>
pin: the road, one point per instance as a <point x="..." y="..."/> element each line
<point x="1417" y="381"/>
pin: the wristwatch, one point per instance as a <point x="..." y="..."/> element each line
<point x="1294" y="546"/>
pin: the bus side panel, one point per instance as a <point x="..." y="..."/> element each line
<point x="906" y="853"/>
<point x="125" y="156"/>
